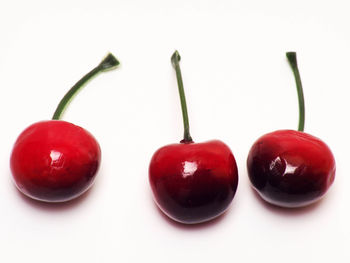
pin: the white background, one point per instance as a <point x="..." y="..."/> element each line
<point x="238" y="86"/>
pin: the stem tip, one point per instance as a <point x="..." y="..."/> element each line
<point x="109" y="62"/>
<point x="292" y="58"/>
<point x="175" y="58"/>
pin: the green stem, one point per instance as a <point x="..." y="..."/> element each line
<point x="108" y="63"/>
<point x="175" y="59"/>
<point x="292" y="58"/>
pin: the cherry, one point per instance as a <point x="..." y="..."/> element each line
<point x="54" y="160"/>
<point x="192" y="182"/>
<point x="291" y="168"/>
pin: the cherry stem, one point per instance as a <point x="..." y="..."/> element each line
<point x="292" y="58"/>
<point x="175" y="59"/>
<point x="108" y="63"/>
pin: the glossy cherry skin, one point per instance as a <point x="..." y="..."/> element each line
<point x="54" y="161"/>
<point x="290" y="168"/>
<point x="193" y="182"/>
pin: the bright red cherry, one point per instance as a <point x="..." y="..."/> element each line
<point x="192" y="182"/>
<point x="54" y="160"/>
<point x="291" y="168"/>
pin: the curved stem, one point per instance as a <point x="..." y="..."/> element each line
<point x="292" y="58"/>
<point x="175" y="59"/>
<point x="108" y="63"/>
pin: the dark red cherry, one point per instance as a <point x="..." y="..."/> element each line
<point x="54" y="160"/>
<point x="291" y="168"/>
<point x="192" y="182"/>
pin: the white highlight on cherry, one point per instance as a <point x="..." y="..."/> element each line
<point x="189" y="168"/>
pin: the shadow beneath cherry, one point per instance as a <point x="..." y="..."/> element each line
<point x="284" y="211"/>
<point x="193" y="227"/>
